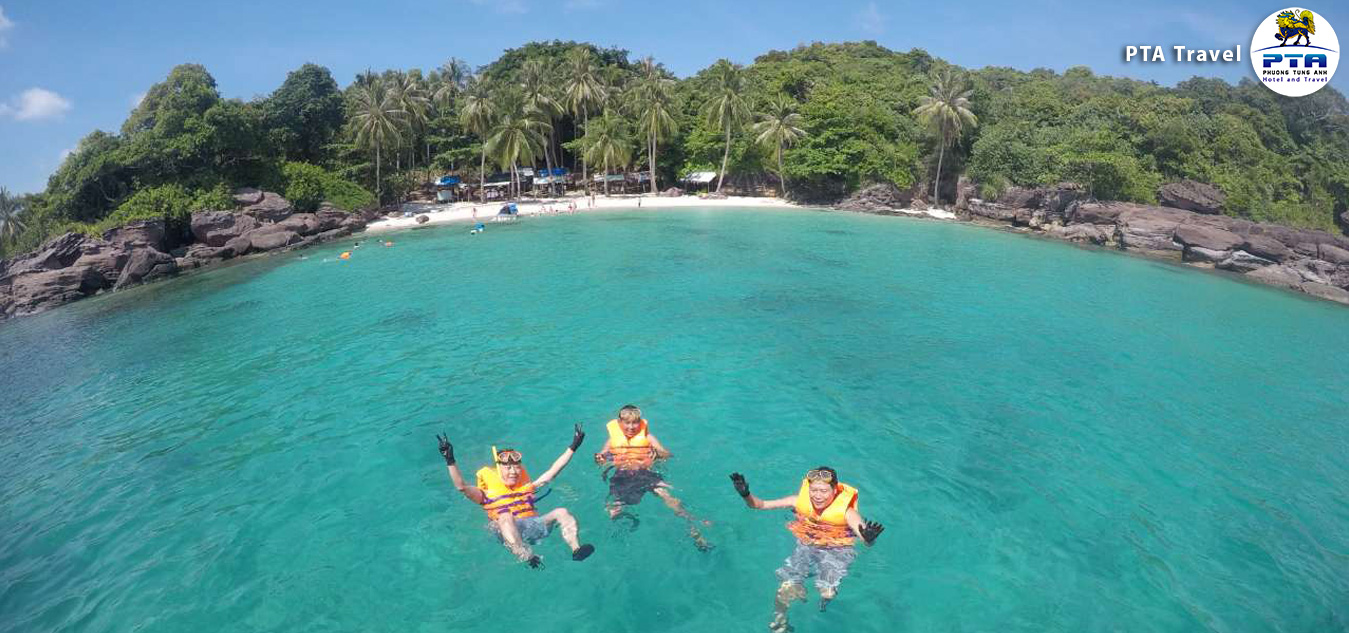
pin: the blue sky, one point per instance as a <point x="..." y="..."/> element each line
<point x="68" y="67"/>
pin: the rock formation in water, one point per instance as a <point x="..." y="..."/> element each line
<point x="73" y="266"/>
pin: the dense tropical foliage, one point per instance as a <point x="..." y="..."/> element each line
<point x="826" y="118"/>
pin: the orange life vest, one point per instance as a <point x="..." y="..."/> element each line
<point x="630" y="453"/>
<point x="518" y="500"/>
<point x="827" y="528"/>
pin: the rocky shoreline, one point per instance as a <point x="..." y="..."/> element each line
<point x="74" y="266"/>
<point x="1187" y="230"/>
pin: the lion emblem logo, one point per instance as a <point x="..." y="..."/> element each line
<point x="1295" y="27"/>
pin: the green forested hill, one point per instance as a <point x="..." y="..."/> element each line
<point x="1278" y="159"/>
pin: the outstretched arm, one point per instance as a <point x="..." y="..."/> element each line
<point x="473" y="493"/>
<point x="577" y="437"/>
<point x="604" y="455"/>
<point x="742" y="487"/>
<point x="865" y="530"/>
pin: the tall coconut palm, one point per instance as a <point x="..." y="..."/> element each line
<point x="478" y="116"/>
<point x="517" y="135"/>
<point x="651" y="103"/>
<point x="778" y="128"/>
<point x="412" y="99"/>
<point x="948" y="110"/>
<point x="454" y="74"/>
<point x="581" y="91"/>
<point x="376" y="120"/>
<point x="11" y="224"/>
<point x="608" y="143"/>
<point x="538" y="97"/>
<point x="727" y="109"/>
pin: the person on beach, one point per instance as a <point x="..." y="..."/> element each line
<point x="825" y="524"/>
<point x="506" y="493"/>
<point x="632" y="451"/>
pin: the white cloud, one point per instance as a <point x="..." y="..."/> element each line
<point x="581" y="5"/>
<point x="65" y="153"/>
<point x="871" y="20"/>
<point x="5" y="25"/>
<point x="512" y="7"/>
<point x="36" y="104"/>
<point x="136" y="100"/>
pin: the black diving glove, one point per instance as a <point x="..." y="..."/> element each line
<point x="871" y="530"/>
<point x="446" y="450"/>
<point x="578" y="437"/>
<point x="741" y="486"/>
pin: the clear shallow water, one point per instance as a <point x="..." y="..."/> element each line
<point x="1057" y="440"/>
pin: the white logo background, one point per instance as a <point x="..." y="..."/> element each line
<point x="1323" y="39"/>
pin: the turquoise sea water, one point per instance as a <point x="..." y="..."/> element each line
<point x="1056" y="439"/>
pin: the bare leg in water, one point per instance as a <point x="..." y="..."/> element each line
<point x="675" y="505"/>
<point x="570" y="531"/>
<point x="511" y="536"/>
<point x="787" y="592"/>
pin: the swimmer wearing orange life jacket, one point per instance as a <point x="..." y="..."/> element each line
<point x="506" y="493"/>
<point x="633" y="450"/>
<point x="825" y="524"/>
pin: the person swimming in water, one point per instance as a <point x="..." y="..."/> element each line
<point x="826" y="520"/>
<point x="633" y="451"/>
<point x="506" y="492"/>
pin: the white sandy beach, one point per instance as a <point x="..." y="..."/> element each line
<point x="464" y="211"/>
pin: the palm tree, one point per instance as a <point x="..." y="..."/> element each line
<point x="450" y="82"/>
<point x="948" y="110"/>
<point x="538" y="96"/>
<point x="651" y="102"/>
<point x="517" y="135"/>
<point x="10" y="210"/>
<point x="778" y="128"/>
<point x="728" y="108"/>
<point x="454" y="74"/>
<point x="581" y="91"/>
<point x="478" y="116"/>
<point x="608" y="143"/>
<point x="376" y="119"/>
<point x="416" y="106"/>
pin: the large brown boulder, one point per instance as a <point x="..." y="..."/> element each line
<point x="1192" y="196"/>
<point x="214" y="228"/>
<point x="1326" y="291"/>
<point x="271" y="208"/>
<point x="1334" y="254"/>
<point x="302" y="223"/>
<point x="270" y="237"/>
<point x="33" y="292"/>
<point x="246" y="196"/>
<point x="1098" y="212"/>
<point x="1151" y="229"/>
<point x="1208" y="237"/>
<point x="329" y="220"/>
<point x="55" y="254"/>
<point x="139" y="233"/>
<point x="1281" y="276"/>
<point x="104" y="260"/>
<point x="146" y="264"/>
<point x="1266" y="247"/>
<point x="672" y="192"/>
<point x="1243" y="262"/>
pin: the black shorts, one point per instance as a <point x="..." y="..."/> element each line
<point x="628" y="486"/>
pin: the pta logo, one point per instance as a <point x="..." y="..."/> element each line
<point x="1294" y="52"/>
